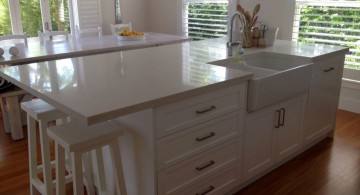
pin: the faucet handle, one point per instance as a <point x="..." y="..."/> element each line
<point x="230" y="44"/>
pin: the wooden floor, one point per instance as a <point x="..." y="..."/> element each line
<point x="332" y="167"/>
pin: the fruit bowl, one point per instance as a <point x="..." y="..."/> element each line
<point x="128" y="35"/>
<point x="131" y="38"/>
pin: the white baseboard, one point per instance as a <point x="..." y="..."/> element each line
<point x="349" y="97"/>
<point x="349" y="104"/>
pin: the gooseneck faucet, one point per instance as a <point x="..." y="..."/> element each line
<point x="242" y="21"/>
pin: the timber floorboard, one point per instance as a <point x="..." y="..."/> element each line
<point x="332" y="167"/>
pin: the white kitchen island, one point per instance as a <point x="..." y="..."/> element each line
<point x="185" y="120"/>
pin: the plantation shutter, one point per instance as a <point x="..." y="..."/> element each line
<point x="203" y="19"/>
<point x="330" y="22"/>
<point x="88" y="13"/>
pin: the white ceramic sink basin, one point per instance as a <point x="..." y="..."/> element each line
<point x="276" y="77"/>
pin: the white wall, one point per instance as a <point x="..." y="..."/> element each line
<point x="165" y="16"/>
<point x="134" y="11"/>
<point x="350" y="96"/>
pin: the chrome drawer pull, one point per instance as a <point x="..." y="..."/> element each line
<point x="206" y="110"/>
<point x="211" y="188"/>
<point x="329" y="69"/>
<point x="278" y="119"/>
<point x="205" y="166"/>
<point x="212" y="134"/>
<point x="283" y="117"/>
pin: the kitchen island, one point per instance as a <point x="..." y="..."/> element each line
<point x="186" y="122"/>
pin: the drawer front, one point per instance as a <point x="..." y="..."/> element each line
<point x="219" y="183"/>
<point x="192" y="141"/>
<point x="199" y="167"/>
<point x="173" y="117"/>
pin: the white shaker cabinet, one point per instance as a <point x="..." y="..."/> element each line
<point x="189" y="146"/>
<point x="272" y="134"/>
<point x="323" y="98"/>
<point x="200" y="139"/>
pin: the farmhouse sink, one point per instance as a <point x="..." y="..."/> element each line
<point x="276" y="76"/>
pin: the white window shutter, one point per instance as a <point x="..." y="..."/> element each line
<point x="87" y="13"/>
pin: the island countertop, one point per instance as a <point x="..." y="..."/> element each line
<point x="100" y="87"/>
<point x="96" y="88"/>
<point x="37" y="51"/>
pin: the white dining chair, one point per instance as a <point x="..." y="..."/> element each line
<point x="50" y="34"/>
<point x="14" y="38"/>
<point x="117" y="27"/>
<point x="88" y="32"/>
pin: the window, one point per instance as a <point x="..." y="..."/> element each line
<point x="331" y="22"/>
<point x="31" y="16"/>
<point x="203" y="19"/>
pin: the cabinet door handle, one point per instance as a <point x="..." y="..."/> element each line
<point x="212" y="134"/>
<point x="282" y="123"/>
<point x="205" y="166"/>
<point x="211" y="188"/>
<point x="206" y="110"/>
<point x="329" y="69"/>
<point x="278" y="119"/>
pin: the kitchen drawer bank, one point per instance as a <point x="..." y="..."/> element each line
<point x="199" y="151"/>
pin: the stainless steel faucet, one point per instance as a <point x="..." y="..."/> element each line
<point x="242" y="20"/>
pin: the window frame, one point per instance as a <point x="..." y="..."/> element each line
<point x="16" y="20"/>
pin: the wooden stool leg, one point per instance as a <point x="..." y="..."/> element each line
<point x="101" y="170"/>
<point x="119" y="172"/>
<point x="60" y="169"/>
<point x="45" y="153"/>
<point x="13" y="111"/>
<point x="31" y="129"/>
<point x="88" y="174"/>
<point x="5" y="116"/>
<point x="77" y="173"/>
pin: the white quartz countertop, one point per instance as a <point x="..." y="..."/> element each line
<point x="314" y="51"/>
<point x="101" y="87"/>
<point x="105" y="86"/>
<point x="50" y="50"/>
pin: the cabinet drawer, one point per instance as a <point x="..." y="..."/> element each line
<point x="219" y="183"/>
<point x="173" y="117"/>
<point x="199" y="167"/>
<point x="184" y="144"/>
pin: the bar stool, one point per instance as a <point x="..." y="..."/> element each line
<point x="38" y="110"/>
<point x="77" y="139"/>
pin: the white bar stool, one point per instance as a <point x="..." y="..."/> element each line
<point x="77" y="139"/>
<point x="38" y="110"/>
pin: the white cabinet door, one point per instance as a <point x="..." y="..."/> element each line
<point x="323" y="100"/>
<point x="288" y="135"/>
<point x="258" y="142"/>
<point x="272" y="134"/>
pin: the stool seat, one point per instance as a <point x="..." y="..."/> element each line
<point x="74" y="137"/>
<point x="40" y="110"/>
<point x="78" y="139"/>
